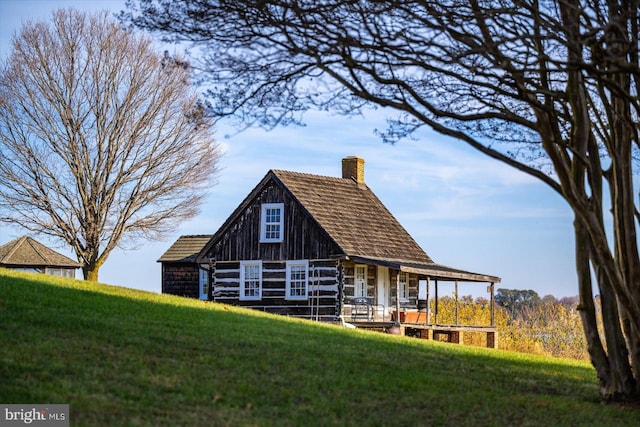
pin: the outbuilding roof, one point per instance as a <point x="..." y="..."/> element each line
<point x="186" y="248"/>
<point x="28" y="252"/>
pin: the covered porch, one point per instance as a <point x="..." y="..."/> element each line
<point x="396" y="299"/>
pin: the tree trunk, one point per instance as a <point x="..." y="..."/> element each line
<point x="615" y="272"/>
<point x="587" y="307"/>
<point x="621" y="385"/>
<point x="613" y="368"/>
<point x="90" y="273"/>
<point x="90" y="269"/>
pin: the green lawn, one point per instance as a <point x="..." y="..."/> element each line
<point x="124" y="357"/>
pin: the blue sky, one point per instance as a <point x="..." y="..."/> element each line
<point x="464" y="209"/>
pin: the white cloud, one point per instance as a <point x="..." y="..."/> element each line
<point x="464" y="208"/>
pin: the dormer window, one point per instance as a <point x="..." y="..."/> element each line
<point x="272" y="222"/>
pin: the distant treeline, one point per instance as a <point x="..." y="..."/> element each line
<point x="526" y="322"/>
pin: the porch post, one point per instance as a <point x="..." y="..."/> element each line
<point x="435" y="318"/>
<point x="398" y="297"/>
<point x="457" y="315"/>
<point x="493" y="321"/>
<point x="426" y="322"/>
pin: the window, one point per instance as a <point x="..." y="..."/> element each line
<point x="30" y="269"/>
<point x="360" y="281"/>
<point x="297" y="279"/>
<point x="60" y="272"/>
<point x="404" y="287"/>
<point x="204" y="283"/>
<point x="53" y="271"/>
<point x="250" y="280"/>
<point x="272" y="222"/>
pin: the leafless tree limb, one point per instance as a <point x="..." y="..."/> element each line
<point x="101" y="139"/>
<point x="550" y="87"/>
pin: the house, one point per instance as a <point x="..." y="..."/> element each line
<point x="313" y="247"/>
<point x="27" y="254"/>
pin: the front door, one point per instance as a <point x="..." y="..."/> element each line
<point x="384" y="289"/>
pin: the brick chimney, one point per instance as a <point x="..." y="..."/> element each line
<point x="353" y="168"/>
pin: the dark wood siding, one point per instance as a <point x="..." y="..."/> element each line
<point x="180" y="279"/>
<point x="322" y="303"/>
<point x="303" y="238"/>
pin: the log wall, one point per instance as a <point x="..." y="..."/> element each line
<point x="349" y="280"/>
<point x="323" y="302"/>
<point x="413" y="289"/>
<point x="372" y="288"/>
<point x="181" y="279"/>
<point x="302" y="237"/>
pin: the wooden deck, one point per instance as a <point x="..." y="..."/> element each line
<point x="452" y="333"/>
<point x="414" y="324"/>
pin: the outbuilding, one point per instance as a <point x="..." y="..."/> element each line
<point x="27" y="254"/>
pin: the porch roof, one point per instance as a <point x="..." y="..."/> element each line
<point x="431" y="270"/>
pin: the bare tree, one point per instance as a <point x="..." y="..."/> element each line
<point x="101" y="139"/>
<point x="549" y="87"/>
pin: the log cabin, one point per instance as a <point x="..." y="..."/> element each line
<point x="314" y="247"/>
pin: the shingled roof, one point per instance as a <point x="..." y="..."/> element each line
<point x="353" y="216"/>
<point x="185" y="248"/>
<point x="27" y="252"/>
<point x="356" y="220"/>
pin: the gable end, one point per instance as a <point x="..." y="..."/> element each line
<point x="239" y="238"/>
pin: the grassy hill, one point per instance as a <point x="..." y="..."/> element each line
<point x="124" y="357"/>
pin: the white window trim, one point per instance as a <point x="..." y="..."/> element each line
<point x="290" y="264"/>
<point x="244" y="264"/>
<point x="60" y="272"/>
<point x="404" y="290"/>
<point x="203" y="282"/>
<point x="263" y="223"/>
<point x="355" y="278"/>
